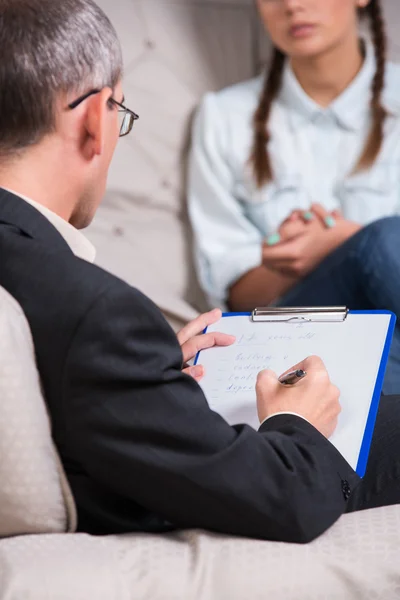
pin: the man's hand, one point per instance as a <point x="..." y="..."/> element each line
<point x="192" y="340"/>
<point x="315" y="398"/>
<point x="305" y="242"/>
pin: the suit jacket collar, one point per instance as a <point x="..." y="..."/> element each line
<point x="17" y="212"/>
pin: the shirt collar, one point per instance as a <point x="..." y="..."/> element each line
<point x="78" y="243"/>
<point x="350" y="109"/>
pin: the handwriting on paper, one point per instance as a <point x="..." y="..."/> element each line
<point x="254" y="355"/>
<point x="241" y="376"/>
<point x="255" y="339"/>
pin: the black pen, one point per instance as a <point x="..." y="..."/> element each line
<point x="292" y="377"/>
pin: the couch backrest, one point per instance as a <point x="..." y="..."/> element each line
<point x="34" y="493"/>
<point x="174" y="52"/>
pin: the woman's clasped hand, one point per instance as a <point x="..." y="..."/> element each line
<point x="305" y="239"/>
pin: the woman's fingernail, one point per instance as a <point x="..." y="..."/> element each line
<point x="308" y="215"/>
<point x="273" y="239"/>
<point x="330" y="222"/>
<point x="197" y="371"/>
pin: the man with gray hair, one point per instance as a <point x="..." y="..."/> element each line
<point x="140" y="446"/>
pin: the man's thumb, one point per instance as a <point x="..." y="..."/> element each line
<point x="266" y="380"/>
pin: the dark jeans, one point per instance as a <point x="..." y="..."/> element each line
<point x="363" y="274"/>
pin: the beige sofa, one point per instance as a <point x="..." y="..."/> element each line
<point x="174" y="51"/>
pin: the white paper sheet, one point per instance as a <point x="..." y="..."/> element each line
<point x="351" y="351"/>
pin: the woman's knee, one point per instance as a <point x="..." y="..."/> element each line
<point x="385" y="228"/>
<point x="383" y="235"/>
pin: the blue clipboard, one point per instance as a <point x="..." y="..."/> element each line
<point x="373" y="411"/>
<point x="370" y="425"/>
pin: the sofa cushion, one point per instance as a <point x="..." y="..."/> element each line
<point x="34" y="493"/>
<point x="174" y="52"/>
<point x="356" y="559"/>
<point x="146" y="246"/>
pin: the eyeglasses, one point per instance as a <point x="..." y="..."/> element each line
<point x="127" y="117"/>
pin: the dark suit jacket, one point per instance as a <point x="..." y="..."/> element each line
<point x="140" y="446"/>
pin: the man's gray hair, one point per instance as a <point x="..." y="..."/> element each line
<point x="48" y="47"/>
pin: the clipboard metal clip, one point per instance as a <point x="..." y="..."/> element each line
<point x="295" y="315"/>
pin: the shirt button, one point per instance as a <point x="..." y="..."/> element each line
<point x="319" y="118"/>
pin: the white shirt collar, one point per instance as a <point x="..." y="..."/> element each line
<point x="351" y="108"/>
<point x="78" y="243"/>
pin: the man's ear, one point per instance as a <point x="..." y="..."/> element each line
<point x="97" y="112"/>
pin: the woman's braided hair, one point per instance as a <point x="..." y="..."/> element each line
<point x="260" y="159"/>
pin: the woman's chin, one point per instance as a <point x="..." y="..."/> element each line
<point x="309" y="46"/>
<point x="306" y="49"/>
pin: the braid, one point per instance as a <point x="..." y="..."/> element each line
<point x="379" y="114"/>
<point x="260" y="159"/>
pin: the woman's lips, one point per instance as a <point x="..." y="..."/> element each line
<point x="302" y="31"/>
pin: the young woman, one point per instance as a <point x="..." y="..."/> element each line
<point x="294" y="180"/>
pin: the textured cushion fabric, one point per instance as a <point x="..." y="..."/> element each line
<point x="145" y="246"/>
<point x="174" y="51"/>
<point x="34" y="493"/>
<point x="357" y="559"/>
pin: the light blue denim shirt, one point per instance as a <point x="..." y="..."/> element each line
<point x="313" y="152"/>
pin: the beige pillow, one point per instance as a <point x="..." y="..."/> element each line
<point x="34" y="494"/>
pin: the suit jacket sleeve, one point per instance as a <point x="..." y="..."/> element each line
<point x="143" y="429"/>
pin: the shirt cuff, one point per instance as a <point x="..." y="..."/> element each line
<point x="285" y="413"/>
<point x="229" y="269"/>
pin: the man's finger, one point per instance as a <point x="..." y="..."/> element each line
<point x="198" y="325"/>
<point x="309" y="364"/>
<point x="197" y="372"/>
<point x="203" y="342"/>
<point x="267" y="377"/>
